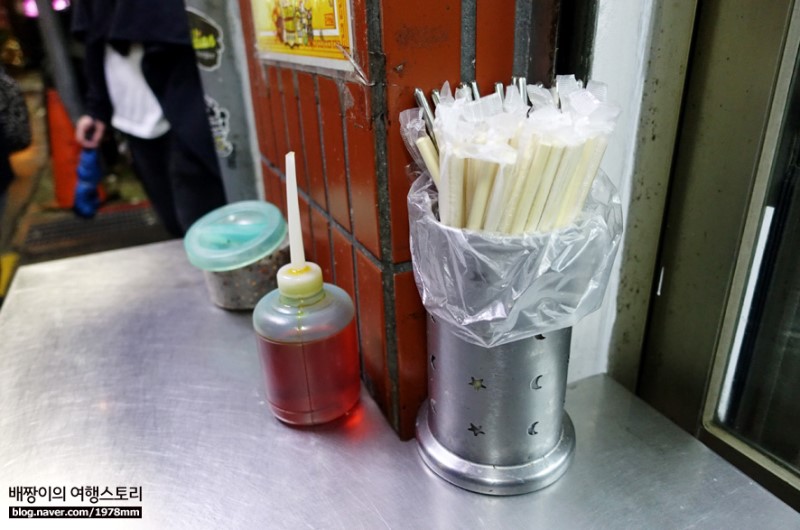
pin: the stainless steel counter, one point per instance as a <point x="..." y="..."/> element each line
<point x="116" y="370"/>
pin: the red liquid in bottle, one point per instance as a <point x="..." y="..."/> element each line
<point x="314" y="382"/>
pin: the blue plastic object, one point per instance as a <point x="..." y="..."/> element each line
<point x="87" y="199"/>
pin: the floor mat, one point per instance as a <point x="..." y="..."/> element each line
<point x="59" y="235"/>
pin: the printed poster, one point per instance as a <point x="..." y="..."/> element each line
<point x="309" y="32"/>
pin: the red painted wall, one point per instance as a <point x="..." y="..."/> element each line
<point x="328" y="120"/>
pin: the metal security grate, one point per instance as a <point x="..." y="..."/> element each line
<point x="64" y="235"/>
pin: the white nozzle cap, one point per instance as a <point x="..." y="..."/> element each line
<point x="298" y="279"/>
<point x="300" y="283"/>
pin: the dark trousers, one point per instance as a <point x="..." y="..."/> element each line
<point x="180" y="186"/>
<point x="6" y="176"/>
<point x="6" y="173"/>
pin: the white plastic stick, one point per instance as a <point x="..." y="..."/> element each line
<point x="550" y="170"/>
<point x="472" y="168"/>
<point x="298" y="256"/>
<point x="591" y="172"/>
<point x="444" y="189"/>
<point x="477" y="211"/>
<point x="457" y="192"/>
<point x="566" y="168"/>
<point x="429" y="156"/>
<point x="451" y="193"/>
<point x="494" y="210"/>
<point x="521" y="170"/>
<point x="532" y="183"/>
<point x="573" y="185"/>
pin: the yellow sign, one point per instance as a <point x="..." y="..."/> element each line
<point x="311" y="32"/>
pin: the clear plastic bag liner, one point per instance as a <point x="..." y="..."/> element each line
<point x="492" y="289"/>
<point x="412" y="127"/>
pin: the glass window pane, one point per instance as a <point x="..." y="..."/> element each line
<point x="761" y="400"/>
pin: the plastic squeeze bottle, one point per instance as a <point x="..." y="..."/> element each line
<point x="306" y="335"/>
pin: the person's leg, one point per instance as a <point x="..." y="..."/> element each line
<point x="6" y="176"/>
<point x="171" y="71"/>
<point x="3" y="199"/>
<point x="151" y="164"/>
<point x="196" y="189"/>
<point x="3" y="196"/>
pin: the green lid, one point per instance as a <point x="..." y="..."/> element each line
<point x="235" y="235"/>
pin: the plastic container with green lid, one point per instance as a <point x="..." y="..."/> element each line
<point x="240" y="248"/>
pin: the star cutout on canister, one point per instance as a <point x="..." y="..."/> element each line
<point x="476" y="430"/>
<point x="477" y="384"/>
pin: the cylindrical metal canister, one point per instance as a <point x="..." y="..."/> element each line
<point x="495" y="421"/>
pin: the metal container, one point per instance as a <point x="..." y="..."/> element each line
<point x="494" y="421"/>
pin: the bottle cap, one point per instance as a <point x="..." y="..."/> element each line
<point x="300" y="283"/>
<point x="299" y="278"/>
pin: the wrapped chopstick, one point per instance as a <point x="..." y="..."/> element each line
<point x="514" y="163"/>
